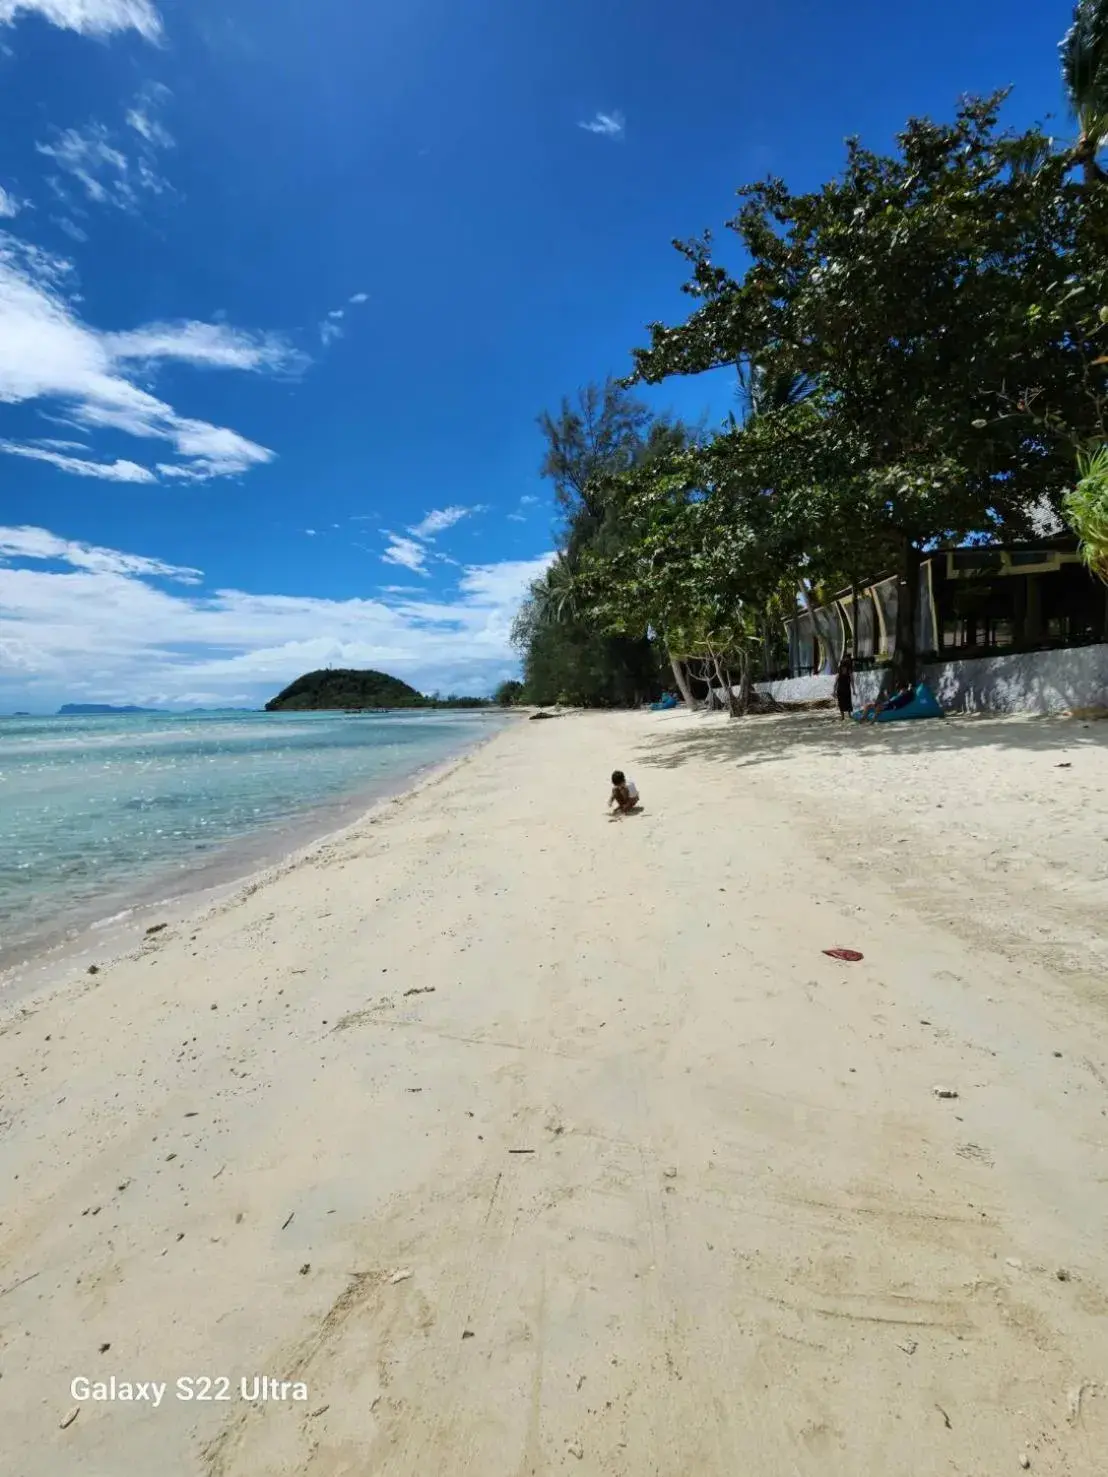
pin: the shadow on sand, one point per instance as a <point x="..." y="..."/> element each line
<point x="780" y="736"/>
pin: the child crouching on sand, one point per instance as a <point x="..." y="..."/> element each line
<point x="624" y="794"/>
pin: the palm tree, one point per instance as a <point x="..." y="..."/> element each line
<point x="1085" y="73"/>
<point x="554" y="595"/>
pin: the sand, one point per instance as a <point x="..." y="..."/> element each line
<point x="527" y="1142"/>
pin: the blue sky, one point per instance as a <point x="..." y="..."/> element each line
<point x="283" y="287"/>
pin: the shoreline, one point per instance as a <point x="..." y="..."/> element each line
<point x="105" y="940"/>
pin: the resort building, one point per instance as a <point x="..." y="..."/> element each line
<point x="1015" y="627"/>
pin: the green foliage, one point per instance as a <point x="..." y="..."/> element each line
<point x="602" y="431"/>
<point x="921" y="347"/>
<point x="508" y="694"/>
<point x="1085" y="74"/>
<point x="347" y="689"/>
<point x="941" y="309"/>
<point x="1087" y="509"/>
<point x="904" y="292"/>
<point x="605" y="433"/>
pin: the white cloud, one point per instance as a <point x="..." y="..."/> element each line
<point x="141" y="119"/>
<point x="101" y="169"/>
<point x="440" y="519"/>
<point x="331" y="327"/>
<point x="47" y="353"/>
<point x="208" y="345"/>
<point x="89" y="17"/>
<point x="117" y="471"/>
<point x="71" y="229"/>
<point x="9" y="205"/>
<point x="108" y="628"/>
<point x="38" y="543"/>
<point x="503" y="584"/>
<point x="516" y="518"/>
<point x="310" y="532"/>
<point x="608" y="125"/>
<point x="405" y="552"/>
<point x="527" y="500"/>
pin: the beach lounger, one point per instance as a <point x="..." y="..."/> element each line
<point x="923" y="705"/>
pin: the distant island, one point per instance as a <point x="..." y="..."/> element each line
<point x="85" y="710"/>
<point x="344" y="689"/>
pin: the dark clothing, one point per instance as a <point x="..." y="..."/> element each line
<point x="844" y="694"/>
<point x="901" y="699"/>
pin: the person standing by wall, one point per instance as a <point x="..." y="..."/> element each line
<point x="844" y="687"/>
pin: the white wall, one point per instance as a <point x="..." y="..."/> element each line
<point x="867" y="687"/>
<point x="1028" y="682"/>
<point x="1025" y="682"/>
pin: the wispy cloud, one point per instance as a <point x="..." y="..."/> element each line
<point x="39" y="544"/>
<point x="208" y="345"/>
<point x="332" y="327"/>
<point x="9" y="205"/>
<point x="439" y="520"/>
<point x="526" y="503"/>
<point x="117" y="471"/>
<point x="47" y="354"/>
<point x="406" y="552"/>
<point x="608" y="125"/>
<point x="142" y="117"/>
<point x="89" y="17"/>
<point x="71" y="229"/>
<point x="95" y="156"/>
<point x="111" y="613"/>
<point x="103" y="171"/>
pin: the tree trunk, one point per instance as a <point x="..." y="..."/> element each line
<point x="854" y="619"/>
<point x="681" y="678"/>
<point x="904" y="654"/>
<point x="724" y="677"/>
<point x="746" y="682"/>
<point x="734" y="704"/>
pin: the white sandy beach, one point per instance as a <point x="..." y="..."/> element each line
<point x="533" y="1142"/>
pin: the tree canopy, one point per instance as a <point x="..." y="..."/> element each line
<point x="921" y="348"/>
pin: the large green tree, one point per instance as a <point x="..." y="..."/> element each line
<point x="927" y="299"/>
<point x="602" y="432"/>
<point x="708" y="543"/>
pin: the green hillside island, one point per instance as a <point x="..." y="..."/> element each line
<point x="343" y="689"/>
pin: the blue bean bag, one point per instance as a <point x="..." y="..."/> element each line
<point x="923" y="705"/>
<point x="664" y="704"/>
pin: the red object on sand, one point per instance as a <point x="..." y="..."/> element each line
<point x="850" y="955"/>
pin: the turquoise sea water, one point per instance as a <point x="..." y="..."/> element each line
<point x="99" y="814"/>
